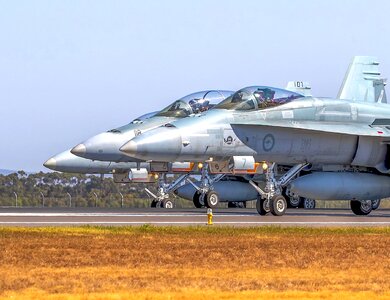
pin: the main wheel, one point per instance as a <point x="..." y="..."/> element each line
<point x="309" y="203"/>
<point x="211" y="199"/>
<point x="196" y="200"/>
<point x="361" y="208"/>
<point x="262" y="206"/>
<point x="375" y="204"/>
<point x="278" y="205"/>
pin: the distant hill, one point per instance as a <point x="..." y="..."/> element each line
<point x="6" y="172"/>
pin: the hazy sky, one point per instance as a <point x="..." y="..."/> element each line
<point x="71" y="69"/>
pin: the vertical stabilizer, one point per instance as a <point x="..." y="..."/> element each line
<point x="300" y="87"/>
<point x="363" y="81"/>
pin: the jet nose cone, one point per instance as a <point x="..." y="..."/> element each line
<point x="80" y="149"/>
<point x="130" y="148"/>
<point x="160" y="144"/>
<point x="51" y="163"/>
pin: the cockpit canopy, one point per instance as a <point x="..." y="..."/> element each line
<point x="190" y="104"/>
<point x="257" y="97"/>
<point x="194" y="103"/>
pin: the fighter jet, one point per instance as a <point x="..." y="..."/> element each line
<point x="333" y="149"/>
<point x="100" y="154"/>
<point x="132" y="170"/>
<point x="105" y="146"/>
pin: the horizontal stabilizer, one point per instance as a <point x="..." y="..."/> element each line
<point x="329" y="127"/>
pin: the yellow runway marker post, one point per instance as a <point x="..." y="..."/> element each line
<point x="209" y="216"/>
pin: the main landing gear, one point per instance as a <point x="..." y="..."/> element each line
<point x="205" y="196"/>
<point x="161" y="199"/>
<point x="272" y="199"/>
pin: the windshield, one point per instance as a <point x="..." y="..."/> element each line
<point x="257" y="97"/>
<point x="194" y="103"/>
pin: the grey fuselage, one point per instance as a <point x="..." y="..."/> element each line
<point x="214" y="135"/>
<point x="105" y="146"/>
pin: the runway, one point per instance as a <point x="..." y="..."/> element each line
<point x="184" y="217"/>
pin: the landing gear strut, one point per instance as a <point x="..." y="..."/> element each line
<point x="205" y="195"/>
<point x="161" y="199"/>
<point x="273" y="190"/>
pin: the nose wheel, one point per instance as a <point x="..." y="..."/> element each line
<point x="205" y="196"/>
<point x="197" y="199"/>
<point x="211" y="199"/>
<point x="278" y="205"/>
<point x="262" y="206"/>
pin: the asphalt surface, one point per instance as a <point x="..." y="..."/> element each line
<point x="196" y="217"/>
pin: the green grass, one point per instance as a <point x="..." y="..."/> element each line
<point x="223" y="230"/>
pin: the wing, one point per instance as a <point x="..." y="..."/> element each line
<point x="376" y="129"/>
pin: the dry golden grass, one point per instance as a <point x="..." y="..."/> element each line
<point x="194" y="263"/>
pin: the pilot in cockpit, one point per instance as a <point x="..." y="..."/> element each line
<point x="199" y="105"/>
<point x="264" y="97"/>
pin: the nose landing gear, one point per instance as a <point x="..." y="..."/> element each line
<point x="205" y="196"/>
<point x="272" y="196"/>
<point x="161" y="199"/>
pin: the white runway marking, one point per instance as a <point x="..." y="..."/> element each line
<point x="116" y="215"/>
<point x="195" y="222"/>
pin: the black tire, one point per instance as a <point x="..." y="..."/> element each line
<point x="309" y="203"/>
<point x="278" y="205"/>
<point x="196" y="200"/>
<point x="211" y="199"/>
<point x="375" y="204"/>
<point x="153" y="204"/>
<point x="168" y="204"/>
<point x="292" y="202"/>
<point x="262" y="206"/>
<point x="232" y="205"/>
<point x="361" y="208"/>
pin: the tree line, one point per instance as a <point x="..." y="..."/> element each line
<point x="62" y="189"/>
